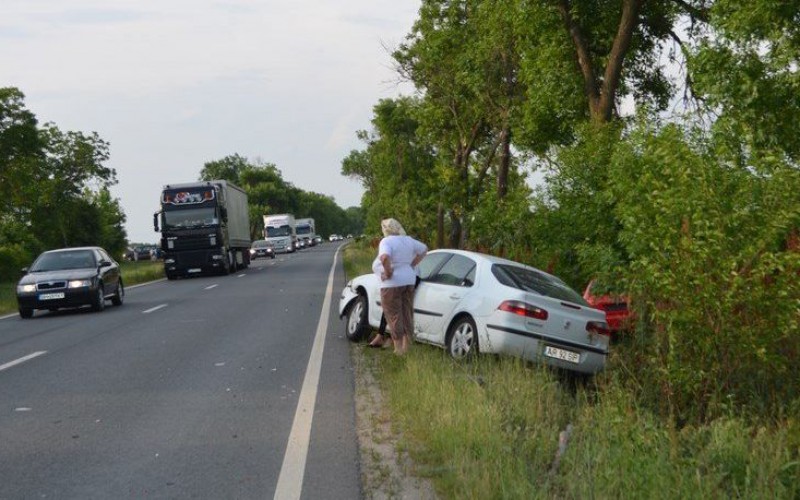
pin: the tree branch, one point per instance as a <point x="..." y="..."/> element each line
<point x="584" y="59"/>
<point x="700" y="13"/>
<point x="622" y="42"/>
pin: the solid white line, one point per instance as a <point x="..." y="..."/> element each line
<point x="145" y="284"/>
<point x="156" y="308"/>
<point x="21" y="360"/>
<point x="209" y="287"/>
<point x="8" y="316"/>
<point x="290" y="480"/>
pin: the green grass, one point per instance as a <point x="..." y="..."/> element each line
<point x="141" y="272"/>
<point x="491" y="428"/>
<point x="132" y="273"/>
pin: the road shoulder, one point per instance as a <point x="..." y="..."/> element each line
<point x="385" y="472"/>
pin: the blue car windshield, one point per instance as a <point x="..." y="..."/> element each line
<point x="56" y="261"/>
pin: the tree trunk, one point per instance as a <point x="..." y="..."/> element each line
<point x="505" y="162"/>
<point x="440" y="226"/>
<point x="455" y="229"/>
<point x="601" y="94"/>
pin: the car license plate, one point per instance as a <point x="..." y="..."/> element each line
<point x="563" y="354"/>
<point x="51" y="296"/>
<point x="194" y="270"/>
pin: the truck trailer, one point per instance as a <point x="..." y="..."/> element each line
<point x="279" y="230"/>
<point x="205" y="228"/>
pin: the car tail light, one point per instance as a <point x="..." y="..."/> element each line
<point x="598" y="328"/>
<point x="523" y="309"/>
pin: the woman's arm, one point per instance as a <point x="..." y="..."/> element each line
<point x="387" y="267"/>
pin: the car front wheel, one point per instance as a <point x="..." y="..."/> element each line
<point x="119" y="296"/>
<point x="357" y="325"/>
<point x="462" y="339"/>
<point x="99" y="300"/>
<point x="25" y="313"/>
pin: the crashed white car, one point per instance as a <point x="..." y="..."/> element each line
<point x="470" y="302"/>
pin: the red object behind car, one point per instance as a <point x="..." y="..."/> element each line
<point x="618" y="316"/>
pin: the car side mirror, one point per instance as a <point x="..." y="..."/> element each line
<point x="155" y="222"/>
<point x="105" y="263"/>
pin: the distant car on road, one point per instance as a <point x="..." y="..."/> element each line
<point x="469" y="302"/>
<point x="261" y="248"/>
<point x="70" y="277"/>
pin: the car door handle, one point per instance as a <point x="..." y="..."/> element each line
<point x="455" y="296"/>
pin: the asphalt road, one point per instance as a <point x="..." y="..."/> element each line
<point x="188" y="390"/>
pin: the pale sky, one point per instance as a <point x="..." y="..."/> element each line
<point x="172" y="84"/>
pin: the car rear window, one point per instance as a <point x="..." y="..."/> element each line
<point x="531" y="280"/>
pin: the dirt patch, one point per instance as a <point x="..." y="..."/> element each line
<point x="385" y="473"/>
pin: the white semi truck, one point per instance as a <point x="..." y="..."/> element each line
<point x="280" y="231"/>
<point x="306" y="231"/>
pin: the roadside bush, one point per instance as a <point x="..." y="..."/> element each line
<point x="706" y="228"/>
<point x="13" y="257"/>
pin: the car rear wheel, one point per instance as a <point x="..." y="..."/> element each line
<point x="119" y="296"/>
<point x="25" y="313"/>
<point x="462" y="339"/>
<point x="357" y="326"/>
<point x="99" y="300"/>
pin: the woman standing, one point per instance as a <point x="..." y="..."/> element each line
<point x="399" y="255"/>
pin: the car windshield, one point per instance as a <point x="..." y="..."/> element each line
<point x="531" y="280"/>
<point x="193" y="217"/>
<point x="261" y="244"/>
<point x="55" y="261"/>
<point x="278" y="231"/>
<point x="303" y="229"/>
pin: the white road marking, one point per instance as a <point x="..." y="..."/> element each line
<point x="21" y="360"/>
<point x="145" y="284"/>
<point x="156" y="308"/>
<point x="241" y="276"/>
<point x="209" y="287"/>
<point x="290" y="480"/>
<point x="8" y="316"/>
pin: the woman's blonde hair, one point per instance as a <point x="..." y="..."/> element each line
<point x="391" y="227"/>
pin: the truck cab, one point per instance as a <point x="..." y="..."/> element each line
<point x="280" y="231"/>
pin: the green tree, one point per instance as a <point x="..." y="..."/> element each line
<point x="396" y="169"/>
<point x="21" y="152"/>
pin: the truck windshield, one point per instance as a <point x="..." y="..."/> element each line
<point x="193" y="217"/>
<point x="303" y="230"/>
<point x="272" y="232"/>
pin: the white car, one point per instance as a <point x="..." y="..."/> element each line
<point x="469" y="302"/>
